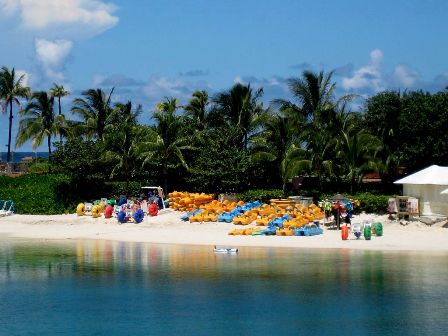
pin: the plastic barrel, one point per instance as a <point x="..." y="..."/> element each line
<point x="367" y="232"/>
<point x="379" y="229"/>
<point x="344" y="232"/>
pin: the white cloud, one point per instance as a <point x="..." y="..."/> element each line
<point x="8" y="6"/>
<point x="405" y="76"/>
<point x="163" y="87"/>
<point x="26" y="76"/>
<point x="237" y="80"/>
<point x="52" y="56"/>
<point x="157" y="88"/>
<point x="367" y="77"/>
<point x="82" y="17"/>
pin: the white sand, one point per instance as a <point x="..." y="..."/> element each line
<point x="169" y="229"/>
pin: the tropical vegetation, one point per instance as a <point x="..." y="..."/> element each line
<point x="230" y="141"/>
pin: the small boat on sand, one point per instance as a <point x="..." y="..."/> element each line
<point x="217" y="249"/>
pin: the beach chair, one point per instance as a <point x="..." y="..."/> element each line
<point x="8" y="209"/>
<point x="88" y="207"/>
<point x="144" y="206"/>
<point x="117" y="209"/>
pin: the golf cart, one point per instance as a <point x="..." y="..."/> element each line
<point x="156" y="195"/>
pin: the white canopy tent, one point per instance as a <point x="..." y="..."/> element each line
<point x="430" y="186"/>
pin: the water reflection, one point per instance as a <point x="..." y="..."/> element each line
<point x="260" y="291"/>
<point x="346" y="267"/>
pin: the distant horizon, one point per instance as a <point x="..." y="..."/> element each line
<point x="19" y="155"/>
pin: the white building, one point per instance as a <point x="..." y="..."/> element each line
<point x="430" y="186"/>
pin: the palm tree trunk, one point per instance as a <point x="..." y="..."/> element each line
<point x="49" y="152"/>
<point x="8" y="158"/>
<point x="165" y="180"/>
<point x="49" y="147"/>
<point x="60" y="112"/>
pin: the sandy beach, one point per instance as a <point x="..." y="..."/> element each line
<point x="167" y="228"/>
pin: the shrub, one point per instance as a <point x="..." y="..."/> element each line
<point x="35" y="194"/>
<point x="116" y="189"/>
<point x="371" y="203"/>
<point x="39" y="167"/>
<point x="262" y="195"/>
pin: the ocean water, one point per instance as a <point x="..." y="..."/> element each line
<point x="18" y="156"/>
<point x="115" y="288"/>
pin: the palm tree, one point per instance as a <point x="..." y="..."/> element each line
<point x="123" y="146"/>
<point x="167" y="142"/>
<point x="382" y="118"/>
<point x="357" y="149"/>
<point x="318" y="158"/>
<point x="272" y="143"/>
<point x="240" y="107"/>
<point x="95" y="109"/>
<point x="292" y="163"/>
<point x="39" y="121"/>
<point x="197" y="109"/>
<point x="11" y="88"/>
<point x="314" y="117"/>
<point x="59" y="91"/>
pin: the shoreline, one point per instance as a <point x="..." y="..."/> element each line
<point x="169" y="229"/>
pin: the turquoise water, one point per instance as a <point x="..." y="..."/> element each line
<point x="113" y="288"/>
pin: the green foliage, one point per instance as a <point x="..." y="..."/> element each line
<point x="80" y="159"/>
<point x="39" y="167"/>
<point x="220" y="165"/>
<point x="51" y="194"/>
<point x="95" y="110"/>
<point x="371" y="203"/>
<point x="230" y="143"/>
<point x="239" y="107"/>
<point x="262" y="195"/>
<point x="11" y="89"/>
<point x="423" y="129"/>
<point x="166" y="145"/>
<point x="129" y="189"/>
<point x="412" y="127"/>
<point x="36" y="194"/>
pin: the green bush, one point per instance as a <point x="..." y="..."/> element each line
<point x="39" y="167"/>
<point x="261" y="195"/>
<point x="51" y="194"/>
<point x="35" y="194"/>
<point x="116" y="189"/>
<point x="371" y="203"/>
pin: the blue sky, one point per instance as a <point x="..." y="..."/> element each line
<point x="156" y="48"/>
